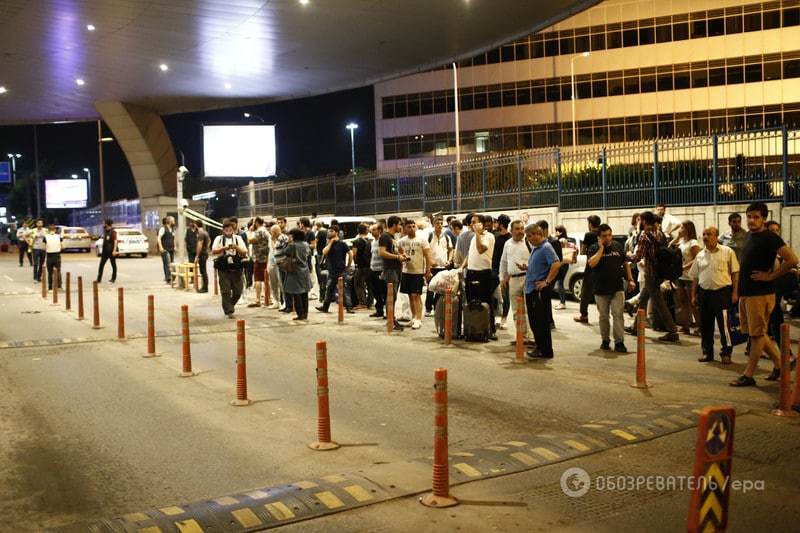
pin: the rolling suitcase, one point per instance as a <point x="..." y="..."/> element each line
<point x="476" y="322"/>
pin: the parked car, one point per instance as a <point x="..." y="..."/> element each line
<point x="130" y="242"/>
<point x="74" y="238"/>
<point x="573" y="280"/>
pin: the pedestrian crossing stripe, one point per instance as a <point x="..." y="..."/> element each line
<point x="641" y="430"/>
<point x="246" y="517"/>
<point x="171" y="511"/>
<point x="330" y="500"/>
<point x="623" y="434"/>
<point x="226" y="500"/>
<point x="467" y="470"/>
<point x="279" y="511"/>
<point x="188" y="526"/>
<point x="358" y="493"/>
<point x="581" y="447"/>
<point x="524" y="458"/>
<point x="546" y="454"/>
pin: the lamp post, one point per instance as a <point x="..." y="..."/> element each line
<point x="89" y="186"/>
<point x="352" y="127"/>
<point x="573" y="95"/>
<point x="250" y="115"/>
<point x="100" y="141"/>
<point x="251" y="193"/>
<point x="13" y="157"/>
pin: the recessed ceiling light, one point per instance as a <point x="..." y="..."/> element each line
<point x="3" y="90"/>
<point x="164" y="67"/>
<point x="90" y="27"/>
<point x="80" y="81"/>
<point x="228" y="85"/>
<point x="304" y="2"/>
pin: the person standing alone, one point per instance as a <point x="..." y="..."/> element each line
<point x="53" y="250"/>
<point x="109" y="251"/>
<point x="201" y="253"/>
<point x="228" y="250"/>
<point x="39" y="248"/>
<point x="166" y="245"/>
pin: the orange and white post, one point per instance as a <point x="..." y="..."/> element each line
<point x="186" y="359"/>
<point x="241" y="368"/>
<point x="55" y="286"/>
<point x="389" y="307"/>
<point x="120" y="314"/>
<point x="68" y="292"/>
<point x="521" y="328"/>
<point x="785" y="394"/>
<point x="323" y="442"/>
<point x="448" y="317"/>
<point x="340" y="292"/>
<point x="151" y="327"/>
<point x="80" y="298"/>
<point x="96" y="306"/>
<point x="440" y="497"/>
<point x="641" y="371"/>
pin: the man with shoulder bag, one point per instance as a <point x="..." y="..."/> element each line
<point x="228" y="250"/>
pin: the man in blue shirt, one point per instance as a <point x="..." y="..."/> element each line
<point x="340" y="257"/>
<point x="542" y="271"/>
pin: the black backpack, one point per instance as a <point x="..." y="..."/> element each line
<point x="668" y="262"/>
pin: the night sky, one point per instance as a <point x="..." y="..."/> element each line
<point x="311" y="137"/>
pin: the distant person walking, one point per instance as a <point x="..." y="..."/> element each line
<point x="166" y="245"/>
<point x="228" y="250"/>
<point x="191" y="241"/>
<point x="53" y="251"/>
<point x="22" y="244"/>
<point x="587" y="285"/>
<point x="39" y="248"/>
<point x="109" y="251"/>
<point x="202" y="247"/>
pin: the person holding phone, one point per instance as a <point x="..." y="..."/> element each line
<point x="228" y="250"/>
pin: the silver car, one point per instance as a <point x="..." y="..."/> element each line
<point x="75" y="238"/>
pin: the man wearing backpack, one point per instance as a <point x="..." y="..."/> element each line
<point x="652" y="244"/>
<point x="260" y="241"/>
<point x="228" y="250"/>
<point x="362" y="250"/>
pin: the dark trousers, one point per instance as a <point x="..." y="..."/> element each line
<point x="288" y="301"/>
<point x="22" y="246"/>
<point x="231" y="284"/>
<point x="361" y="282"/>
<point x="714" y="307"/>
<point x="53" y="262"/>
<point x="431" y="297"/>
<point x="103" y="259"/>
<point x="587" y="293"/>
<point x="480" y="286"/>
<point x="540" y="315"/>
<point x="38" y="264"/>
<point x="331" y="290"/>
<point x="300" y="304"/>
<point x="320" y="278"/>
<point x="378" y="288"/>
<point x="248" y="273"/>
<point x="167" y="257"/>
<point x="652" y="290"/>
<point x="202" y="265"/>
<point x="776" y="320"/>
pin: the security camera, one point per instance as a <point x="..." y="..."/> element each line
<point x="182" y="172"/>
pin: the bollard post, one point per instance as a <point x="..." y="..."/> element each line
<point x="324" y="441"/>
<point x="151" y="327"/>
<point x="267" y="290"/>
<point x="55" y="285"/>
<point x="448" y="317"/>
<point x="80" y="298"/>
<point x="120" y="314"/>
<point x="785" y="395"/>
<point x="796" y="395"/>
<point x="67" y="293"/>
<point x="43" y="276"/>
<point x="187" y="348"/>
<point x="216" y="283"/>
<point x="521" y="327"/>
<point x="389" y="308"/>
<point x="96" y="306"/>
<point x="241" y="368"/>
<point x="340" y="292"/>
<point x="708" y="507"/>
<point x="641" y="372"/>
<point x="440" y="497"/>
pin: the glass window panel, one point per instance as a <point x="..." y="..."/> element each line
<point x="680" y="31"/>
<point x="716" y="27"/>
<point x="633" y="132"/>
<point x="524" y="96"/>
<point x="388" y="150"/>
<point x="791" y="16"/>
<point x="665" y="81"/>
<point x="540" y="139"/>
<point x="426" y="105"/>
<point x="388" y="110"/>
<point x="666" y="129"/>
<point x="648" y="83"/>
<point x="716" y="77"/>
<point x="683" y="127"/>
<point x="566" y="92"/>
<point x="537" y="49"/>
<point x="584" y="135"/>
<point x="772" y="119"/>
<point x="467" y="102"/>
<point x="699" y="29"/>
<point x="700" y="126"/>
<point x="630" y="38"/>
<point x="682" y="80"/>
<point x="451" y="103"/>
<point x="699" y="78"/>
<point x="736" y="123"/>
<point x="551" y="48"/>
<point x="599" y="88"/>
<point x="663" y="33"/>
<point x="522" y="51"/>
<point x="584" y="89"/>
<point x="615" y="87"/>
<point x="553" y="92"/>
<point x="752" y="73"/>
<point x="440" y="104"/>
<point x="507" y="53"/>
<point x="401" y="150"/>
<point x="600" y="134"/>
<point x="616" y="134"/>
<point x="772" y="20"/>
<point x="493" y="56"/>
<point x="649" y="130"/>
<point x="791" y="68"/>
<point x="772" y="70"/>
<point x="755" y="121"/>
<point x="539" y="94"/>
<point x="509" y="98"/>
<point x="647" y="35"/>
<point x="567" y="45"/>
<point x="733" y="24"/>
<point x="632" y="85"/>
<point x="400" y="109"/>
<point x="479" y="59"/>
<point x="413" y="108"/>
<point x="735" y="74"/>
<point x="614" y="39"/>
<point x="480" y="100"/>
<point x="598" y="41"/>
<point x="752" y="22"/>
<point x="718" y="124"/>
<point x="581" y="44"/>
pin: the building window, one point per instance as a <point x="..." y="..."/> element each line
<point x="772" y="20"/>
<point x="698" y="29"/>
<point x="791" y="16"/>
<point x="614" y="39"/>
<point x="791" y="68"/>
<point x="522" y="51"/>
<point x="630" y="38"/>
<point x="752" y="73"/>
<point x="680" y="31"/>
<point x="647" y="35"/>
<point x="599" y="88"/>
<point x="733" y="24"/>
<point x="752" y="22"/>
<point x="598" y="41"/>
<point x="507" y="53"/>
<point x="716" y="77"/>
<point x="699" y="78"/>
<point x="663" y="33"/>
<point x="441" y="148"/>
<point x="716" y="27"/>
<point x="648" y="83"/>
<point x="682" y="80"/>
<point x="481" y="141"/>
<point x="772" y="70"/>
<point x="615" y="87"/>
<point x="735" y="74"/>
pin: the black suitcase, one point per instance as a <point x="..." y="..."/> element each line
<point x="438" y="317"/>
<point x="476" y="322"/>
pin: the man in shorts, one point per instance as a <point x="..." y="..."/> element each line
<point x="416" y="269"/>
<point x="260" y="240"/>
<point x="757" y="290"/>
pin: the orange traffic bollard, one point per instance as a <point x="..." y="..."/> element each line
<point x="641" y="372"/>
<point x="120" y="314"/>
<point x="187" y="347"/>
<point x="448" y="317"/>
<point x="216" y="283"/>
<point x="267" y="291"/>
<point x="521" y="328"/>
<point x="440" y="497"/>
<point x="43" y="275"/>
<point x="151" y="327"/>
<point x="389" y="307"/>
<point x="340" y="292"/>
<point x="241" y="368"/>
<point x="785" y="394"/>
<point x="796" y="395"/>
<point x="96" y="307"/>
<point x="710" y="482"/>
<point x="67" y="293"/>
<point x="55" y="285"/>
<point x="324" y="441"/>
<point x="80" y="298"/>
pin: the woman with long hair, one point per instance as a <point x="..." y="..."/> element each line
<point x="690" y="247"/>
<point x="570" y="254"/>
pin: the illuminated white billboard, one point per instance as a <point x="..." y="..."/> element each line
<point x="239" y="151"/>
<point x="65" y="194"/>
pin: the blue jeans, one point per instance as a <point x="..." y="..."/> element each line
<point x="167" y="257"/>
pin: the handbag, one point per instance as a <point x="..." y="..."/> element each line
<point x="289" y="263"/>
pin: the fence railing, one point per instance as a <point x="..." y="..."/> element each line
<point x="762" y="165"/>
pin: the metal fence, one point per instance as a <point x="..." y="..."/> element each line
<point x="723" y="168"/>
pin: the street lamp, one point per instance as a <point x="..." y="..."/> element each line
<point x="574" y="96"/>
<point x="89" y="186"/>
<point x="100" y="141"/>
<point x="352" y="127"/>
<point x="250" y="115"/>
<point x="13" y="158"/>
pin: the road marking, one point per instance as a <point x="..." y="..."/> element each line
<point x="279" y="511"/>
<point x="257" y="494"/>
<point x="188" y="526"/>
<point x="136" y="517"/>
<point x="546" y="454"/>
<point x="496" y="448"/>
<point x="581" y="447"/>
<point x="467" y="469"/>
<point x="172" y="511"/>
<point x="463" y="454"/>
<point x="226" y="500"/>
<point x="664" y="423"/>
<point x="524" y="458"/>
<point x="330" y="500"/>
<point x="641" y="430"/>
<point x="623" y="434"/>
<point x="358" y="493"/>
<point x="681" y="419"/>
<point x="592" y="426"/>
<point x="335" y="479"/>
<point x="305" y="485"/>
<point x="246" y="517"/>
<point x="517" y="443"/>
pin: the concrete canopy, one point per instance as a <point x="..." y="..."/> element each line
<point x="229" y="52"/>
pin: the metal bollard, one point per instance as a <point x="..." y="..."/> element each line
<point x="448" y="317"/>
<point x="216" y="283"/>
<point x="641" y="371"/>
<point x="389" y="307"/>
<point x="241" y="368"/>
<point x="67" y="293"/>
<point x="785" y="395"/>
<point x="521" y="328"/>
<point x="43" y="276"/>
<point x="96" y="310"/>
<point x="440" y="497"/>
<point x="120" y="314"/>
<point x="186" y="345"/>
<point x="80" y="298"/>
<point x="55" y="286"/>
<point x="340" y="298"/>
<point x="151" y="327"/>
<point x="324" y="441"/>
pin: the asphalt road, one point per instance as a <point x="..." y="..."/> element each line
<point x="90" y="429"/>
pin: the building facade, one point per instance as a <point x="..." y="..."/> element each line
<point x="642" y="70"/>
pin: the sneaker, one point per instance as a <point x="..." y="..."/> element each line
<point x="398" y="327"/>
<point x="376" y="315"/>
<point x="726" y="360"/>
<point x="416" y="324"/>
<point x="429" y="313"/>
<point x="706" y="358"/>
<point x="536" y="354"/>
<point x="669" y="337"/>
<point x="743" y="381"/>
<point x="581" y="319"/>
<point x="775" y="375"/>
<point x="620" y="348"/>
<point x="605" y="345"/>
<point x="255" y="304"/>
<point x="560" y="307"/>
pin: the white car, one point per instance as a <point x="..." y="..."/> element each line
<point x="75" y="238"/>
<point x="130" y="242"/>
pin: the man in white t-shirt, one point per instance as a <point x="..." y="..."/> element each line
<point x="441" y="256"/>
<point x="228" y="250"/>
<point x="416" y="269"/>
<point x="479" y="267"/>
<point x="669" y="223"/>
<point x="52" y="241"/>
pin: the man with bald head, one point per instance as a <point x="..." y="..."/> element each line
<point x="715" y="272"/>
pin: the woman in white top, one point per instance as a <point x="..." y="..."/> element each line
<point x="684" y="310"/>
